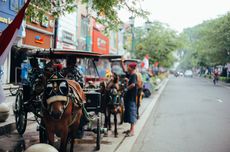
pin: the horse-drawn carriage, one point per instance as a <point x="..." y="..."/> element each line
<point x="57" y="94"/>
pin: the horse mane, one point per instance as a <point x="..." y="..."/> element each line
<point x="75" y="86"/>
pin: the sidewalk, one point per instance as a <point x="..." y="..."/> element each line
<point x="9" y="125"/>
<point x="127" y="144"/>
<point x="109" y="143"/>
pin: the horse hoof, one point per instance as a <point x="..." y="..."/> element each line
<point x="106" y="134"/>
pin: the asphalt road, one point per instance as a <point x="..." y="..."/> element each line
<point x="192" y="115"/>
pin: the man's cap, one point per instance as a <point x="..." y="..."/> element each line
<point x="132" y="65"/>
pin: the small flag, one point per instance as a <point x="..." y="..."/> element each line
<point x="10" y="33"/>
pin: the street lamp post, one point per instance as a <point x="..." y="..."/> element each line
<point x="131" y="22"/>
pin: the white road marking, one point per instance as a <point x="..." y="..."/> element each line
<point x="219" y="100"/>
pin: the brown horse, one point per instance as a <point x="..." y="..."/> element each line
<point x="112" y="102"/>
<point x="63" y="110"/>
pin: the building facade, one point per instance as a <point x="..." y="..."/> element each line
<point x="8" y="10"/>
<point x="100" y="42"/>
<point x="66" y="37"/>
<point x="36" y="35"/>
<point x="39" y="34"/>
<point x="76" y="31"/>
<point x="84" y="28"/>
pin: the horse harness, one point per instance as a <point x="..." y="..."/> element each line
<point x="63" y="90"/>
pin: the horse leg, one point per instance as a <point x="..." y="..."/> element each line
<point x="64" y="137"/>
<point x="115" y="124"/>
<point x="50" y="137"/>
<point x="74" y="131"/>
<point x="121" y="114"/>
<point x="109" y="121"/>
<point x="72" y="144"/>
<point x="106" y="118"/>
<point x="106" y="122"/>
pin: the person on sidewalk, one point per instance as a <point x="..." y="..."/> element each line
<point x="130" y="115"/>
<point x="139" y="91"/>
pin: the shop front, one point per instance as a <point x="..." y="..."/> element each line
<point x="67" y="32"/>
<point x="39" y="34"/>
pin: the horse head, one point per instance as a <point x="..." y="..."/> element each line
<point x="63" y="100"/>
<point x="56" y="95"/>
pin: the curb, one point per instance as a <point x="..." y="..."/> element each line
<point x="7" y="129"/>
<point x="127" y="143"/>
<point x="10" y="126"/>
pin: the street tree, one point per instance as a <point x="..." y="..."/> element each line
<point x="106" y="11"/>
<point x="158" y="42"/>
<point x="209" y="43"/>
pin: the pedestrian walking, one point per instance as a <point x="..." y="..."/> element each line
<point x="130" y="115"/>
<point x="139" y="91"/>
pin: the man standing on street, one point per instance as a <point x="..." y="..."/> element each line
<point x="130" y="115"/>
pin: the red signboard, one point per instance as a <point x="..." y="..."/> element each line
<point x="100" y="43"/>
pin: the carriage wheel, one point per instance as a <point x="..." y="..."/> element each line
<point x="147" y="93"/>
<point x="98" y="142"/>
<point x="42" y="133"/>
<point x="20" y="113"/>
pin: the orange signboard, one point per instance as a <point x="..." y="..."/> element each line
<point x="100" y="43"/>
<point x="37" y="39"/>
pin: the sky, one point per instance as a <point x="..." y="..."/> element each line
<point x="180" y="14"/>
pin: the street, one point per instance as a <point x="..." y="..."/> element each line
<point x="192" y="115"/>
<point x="189" y="114"/>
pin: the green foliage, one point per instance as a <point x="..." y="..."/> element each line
<point x="224" y="79"/>
<point x="208" y="43"/>
<point x="106" y="10"/>
<point x="159" y="42"/>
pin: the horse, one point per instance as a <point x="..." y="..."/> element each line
<point x="63" y="100"/>
<point x="111" y="100"/>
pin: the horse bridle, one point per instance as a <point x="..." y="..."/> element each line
<point x="56" y="90"/>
